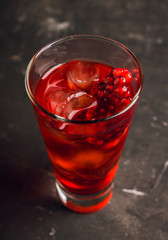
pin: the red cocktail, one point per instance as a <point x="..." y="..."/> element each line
<point x="84" y="105"/>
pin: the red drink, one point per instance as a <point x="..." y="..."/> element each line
<point x="84" y="161"/>
<point x="84" y="110"/>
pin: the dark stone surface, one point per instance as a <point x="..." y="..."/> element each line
<point x="29" y="208"/>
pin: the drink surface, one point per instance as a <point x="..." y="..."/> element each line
<point x="81" y="90"/>
<point x="85" y="156"/>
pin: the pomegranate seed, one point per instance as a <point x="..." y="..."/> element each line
<point x="100" y="94"/>
<point x="125" y="70"/>
<point x="120" y="91"/>
<point x="102" y="111"/>
<point x="102" y="86"/>
<point x="111" y="107"/>
<point x="119" y="81"/>
<point x="109" y="88"/>
<point x="114" y="100"/>
<point x="129" y="92"/>
<point x="109" y="96"/>
<point x="108" y="114"/>
<point x="108" y="80"/>
<point x="122" y="72"/>
<point x="115" y="90"/>
<point x="128" y="76"/>
<point x="124" y="103"/>
<point x="117" y="72"/>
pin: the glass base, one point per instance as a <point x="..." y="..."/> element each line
<point x="84" y="203"/>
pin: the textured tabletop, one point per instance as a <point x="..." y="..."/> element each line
<point x="29" y="207"/>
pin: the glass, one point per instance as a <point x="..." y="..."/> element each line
<point x="84" y="154"/>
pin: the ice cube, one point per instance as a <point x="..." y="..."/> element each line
<point x="78" y="104"/>
<point x="55" y="101"/>
<point x="72" y="105"/>
<point x="82" y="74"/>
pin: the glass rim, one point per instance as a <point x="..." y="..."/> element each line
<point x="78" y="36"/>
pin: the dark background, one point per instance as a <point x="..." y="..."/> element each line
<point x="29" y="208"/>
